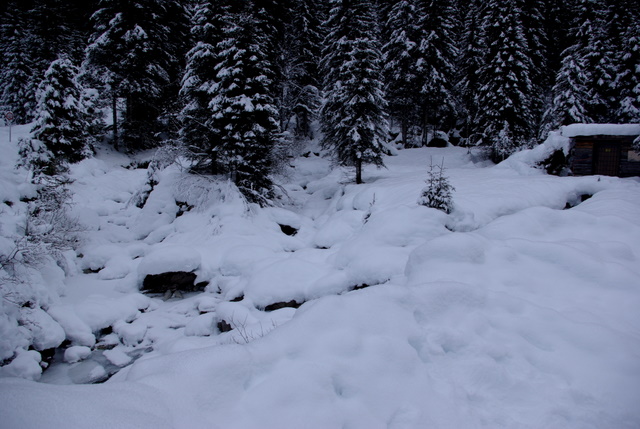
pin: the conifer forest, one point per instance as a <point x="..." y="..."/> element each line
<point x="237" y="83"/>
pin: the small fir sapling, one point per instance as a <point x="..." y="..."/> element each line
<point x="438" y="192"/>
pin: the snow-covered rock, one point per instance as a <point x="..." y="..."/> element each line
<point x="202" y="325"/>
<point x="75" y="354"/>
<point x="169" y="259"/>
<point x="26" y="364"/>
<point x="46" y="332"/>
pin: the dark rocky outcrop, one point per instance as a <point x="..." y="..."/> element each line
<point x="237" y="298"/>
<point x="437" y="142"/>
<point x="279" y="305"/>
<point x="171" y="282"/>
<point x="289" y="230"/>
<point x="223" y="326"/>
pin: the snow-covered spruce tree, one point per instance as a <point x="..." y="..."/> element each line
<point x="135" y="53"/>
<point x="542" y="79"/>
<point x="504" y="114"/>
<point x="470" y="59"/>
<point x="60" y="132"/>
<point x="570" y="94"/>
<point x="353" y="117"/>
<point x="18" y="81"/>
<point x="243" y="116"/>
<point x="305" y="83"/>
<point x="628" y="79"/>
<point x="402" y="70"/>
<point x="198" y="81"/>
<point x="437" y="55"/>
<point x="582" y="92"/>
<point x="438" y="193"/>
<point x="599" y="56"/>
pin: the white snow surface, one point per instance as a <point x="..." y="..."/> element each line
<point x="512" y="312"/>
<point x="575" y="130"/>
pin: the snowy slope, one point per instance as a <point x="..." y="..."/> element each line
<point x="510" y="312"/>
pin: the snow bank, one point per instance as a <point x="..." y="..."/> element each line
<point x="285" y="280"/>
<point x="510" y="312"/>
<point x="121" y="406"/>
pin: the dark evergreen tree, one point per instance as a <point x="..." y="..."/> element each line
<point x="570" y="94"/>
<point x="198" y="82"/>
<point x="559" y="16"/>
<point x="402" y="65"/>
<point x="58" y="30"/>
<point x="353" y="116"/>
<point x="599" y="56"/>
<point x="504" y="99"/>
<point x="60" y="131"/>
<point x="18" y="80"/>
<point x="584" y="90"/>
<point x="627" y="81"/>
<point x="438" y="53"/>
<point x="533" y="20"/>
<point x="135" y="53"/>
<point x="243" y="114"/>
<point x="471" y="43"/>
<point x="305" y="79"/>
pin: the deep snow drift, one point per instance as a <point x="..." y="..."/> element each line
<point x="518" y="310"/>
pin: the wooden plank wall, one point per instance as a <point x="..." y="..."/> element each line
<point x="582" y="154"/>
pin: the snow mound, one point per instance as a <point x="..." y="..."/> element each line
<point x="523" y="160"/>
<point x="285" y="280"/>
<point x="172" y="258"/>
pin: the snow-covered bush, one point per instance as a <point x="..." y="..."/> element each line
<point x="438" y="192"/>
<point x="32" y="261"/>
<point x="48" y="229"/>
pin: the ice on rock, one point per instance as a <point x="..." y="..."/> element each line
<point x="87" y="372"/>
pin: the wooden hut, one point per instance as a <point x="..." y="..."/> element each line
<point x="604" y="149"/>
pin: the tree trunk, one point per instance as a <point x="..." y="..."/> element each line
<point x="425" y="127"/>
<point x="358" y="171"/>
<point x="404" y="126"/>
<point x="114" y="107"/>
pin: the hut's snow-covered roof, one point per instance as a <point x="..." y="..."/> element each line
<point x="575" y="130"/>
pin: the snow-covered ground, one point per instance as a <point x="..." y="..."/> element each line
<point x="511" y="312"/>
